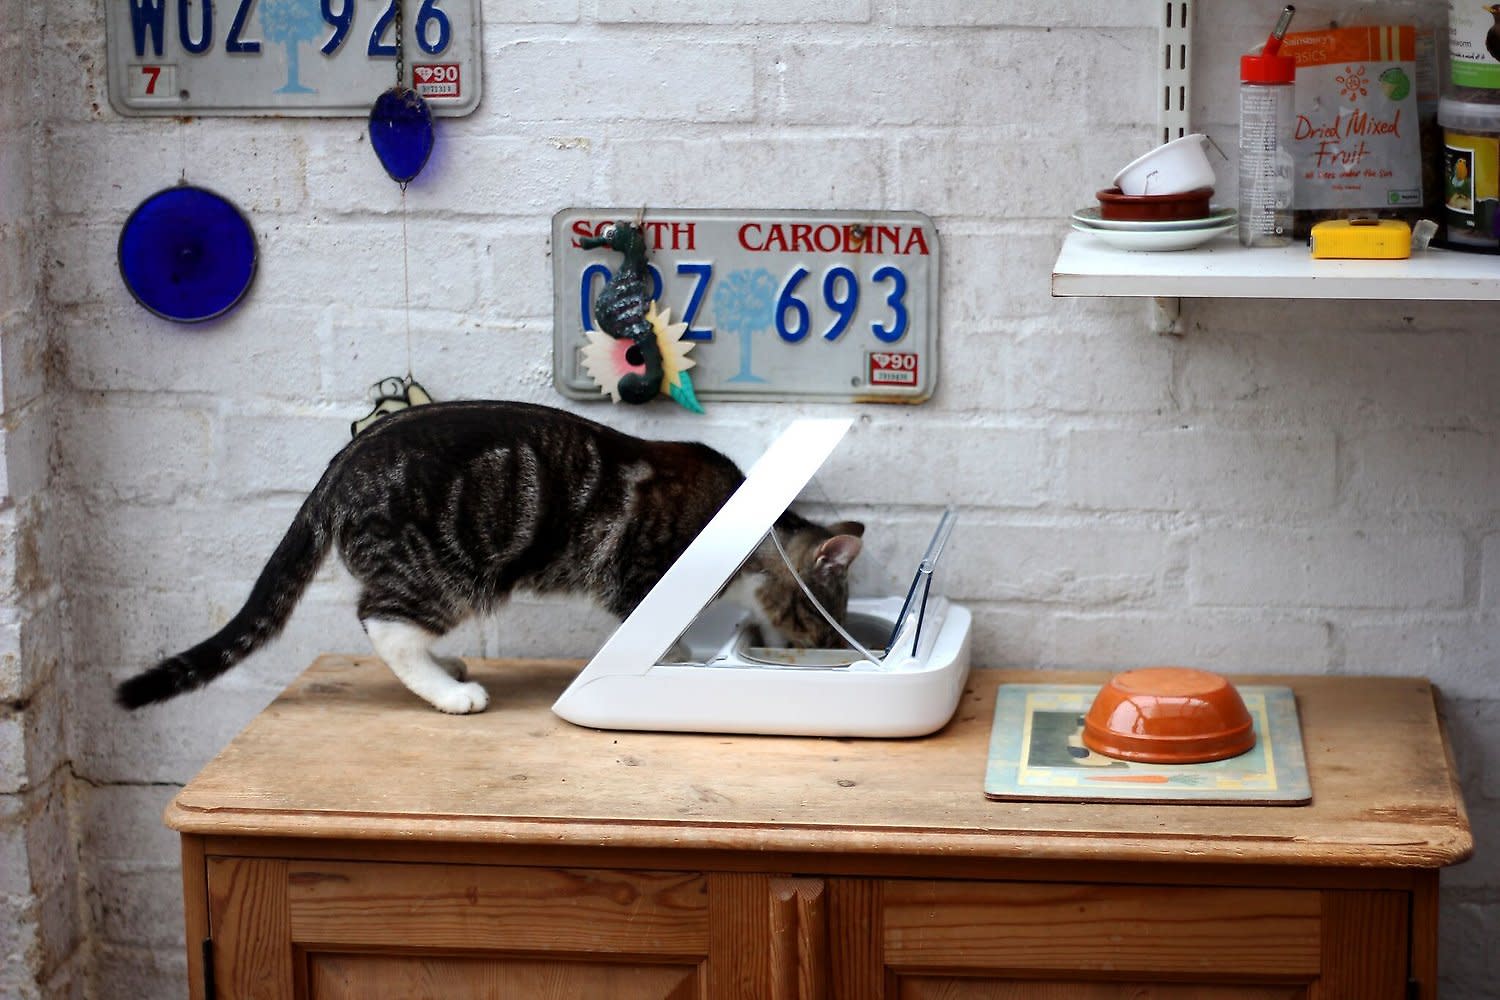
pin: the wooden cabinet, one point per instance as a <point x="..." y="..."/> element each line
<point x="352" y="843"/>
<point x="1076" y="939"/>
<point x="373" y="930"/>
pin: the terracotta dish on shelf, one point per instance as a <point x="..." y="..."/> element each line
<point x="1168" y="715"/>
<point x="1145" y="207"/>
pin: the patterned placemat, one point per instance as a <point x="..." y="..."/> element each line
<point x="1037" y="753"/>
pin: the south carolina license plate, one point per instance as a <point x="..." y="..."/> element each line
<point x="780" y="305"/>
<point x="288" y="57"/>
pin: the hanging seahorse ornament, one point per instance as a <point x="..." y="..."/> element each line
<point x="637" y="353"/>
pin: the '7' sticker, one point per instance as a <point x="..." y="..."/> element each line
<point x="153" y="80"/>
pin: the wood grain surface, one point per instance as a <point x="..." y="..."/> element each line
<point x="390" y="977"/>
<point x="347" y="752"/>
<point x="1052" y="928"/>
<point x="943" y="988"/>
<point x="469" y="907"/>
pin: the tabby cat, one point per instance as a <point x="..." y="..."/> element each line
<point x="442" y="510"/>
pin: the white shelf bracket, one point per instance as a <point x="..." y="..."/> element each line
<point x="1176" y="77"/>
<point x="1166" y="316"/>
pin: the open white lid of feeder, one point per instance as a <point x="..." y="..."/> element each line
<point x="692" y="582"/>
<point x="729" y="685"/>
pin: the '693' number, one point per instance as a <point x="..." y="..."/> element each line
<point x="841" y="294"/>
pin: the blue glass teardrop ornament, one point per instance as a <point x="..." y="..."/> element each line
<point x="401" y="132"/>
<point x="187" y="254"/>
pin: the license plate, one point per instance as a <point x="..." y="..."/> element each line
<point x="288" y="57"/>
<point x="778" y="305"/>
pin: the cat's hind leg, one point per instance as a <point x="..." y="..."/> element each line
<point x="406" y="649"/>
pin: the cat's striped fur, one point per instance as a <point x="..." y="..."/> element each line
<point x="442" y="510"/>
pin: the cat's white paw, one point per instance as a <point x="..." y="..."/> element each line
<point x="462" y="699"/>
<point x="455" y="668"/>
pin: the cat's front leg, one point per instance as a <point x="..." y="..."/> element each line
<point x="453" y="666"/>
<point x="406" y="649"/>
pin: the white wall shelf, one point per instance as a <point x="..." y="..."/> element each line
<point x="1224" y="269"/>
<point x="1086" y="266"/>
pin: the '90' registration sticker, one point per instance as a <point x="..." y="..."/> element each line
<point x="893" y="369"/>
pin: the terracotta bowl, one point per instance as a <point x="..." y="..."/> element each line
<point x="1154" y="207"/>
<point x="1168" y="715"/>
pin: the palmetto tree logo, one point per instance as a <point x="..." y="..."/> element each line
<point x="744" y="303"/>
<point x="289" y="23"/>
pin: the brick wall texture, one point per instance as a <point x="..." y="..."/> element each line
<point x="1295" y="486"/>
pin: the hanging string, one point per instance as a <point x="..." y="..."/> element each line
<point x="182" y="128"/>
<point x="405" y="257"/>
<point x="401" y="137"/>
<point x="406" y="283"/>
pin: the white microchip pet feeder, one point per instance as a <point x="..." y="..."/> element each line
<point x="908" y="686"/>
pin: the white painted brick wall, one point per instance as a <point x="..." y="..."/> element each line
<point x="1382" y="372"/>
<point x="41" y="928"/>
<point x="732" y="12"/>
<point x="1489" y="560"/>
<point x="578" y="79"/>
<point x="1298" y="486"/>
<point x="1327" y="568"/>
<point x="1429" y="471"/>
<point x="1199" y="469"/>
<point x="1235" y="642"/>
<point x="997" y="474"/>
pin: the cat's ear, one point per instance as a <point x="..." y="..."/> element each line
<point x="855" y="528"/>
<point x="837" y="553"/>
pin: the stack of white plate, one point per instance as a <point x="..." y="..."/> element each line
<point x="1179" y="234"/>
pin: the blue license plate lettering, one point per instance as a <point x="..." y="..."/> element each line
<point x="430" y="18"/>
<point x="843" y="303"/>
<point x="201" y="44"/>
<point x="283" y="22"/>
<point x="897" y="301"/>
<point x="147" y="17"/>
<point x="788" y="302"/>
<point x="702" y="273"/>
<point x="233" y="42"/>
<point x="378" y="47"/>
<point x="792" y="315"/>
<point x="340" y="21"/>
<point x="591" y="274"/>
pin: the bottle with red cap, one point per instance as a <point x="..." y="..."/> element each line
<point x="1266" y="164"/>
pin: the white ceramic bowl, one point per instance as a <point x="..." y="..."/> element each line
<point x="1178" y="166"/>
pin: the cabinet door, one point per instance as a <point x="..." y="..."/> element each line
<point x="1041" y="941"/>
<point x="337" y="930"/>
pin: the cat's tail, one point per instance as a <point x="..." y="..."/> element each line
<point x="275" y="593"/>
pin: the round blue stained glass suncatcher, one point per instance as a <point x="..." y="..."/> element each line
<point x="187" y="254"/>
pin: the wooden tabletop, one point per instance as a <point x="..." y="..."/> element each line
<point x="347" y="752"/>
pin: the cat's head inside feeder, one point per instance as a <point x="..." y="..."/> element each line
<point x="683" y="661"/>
